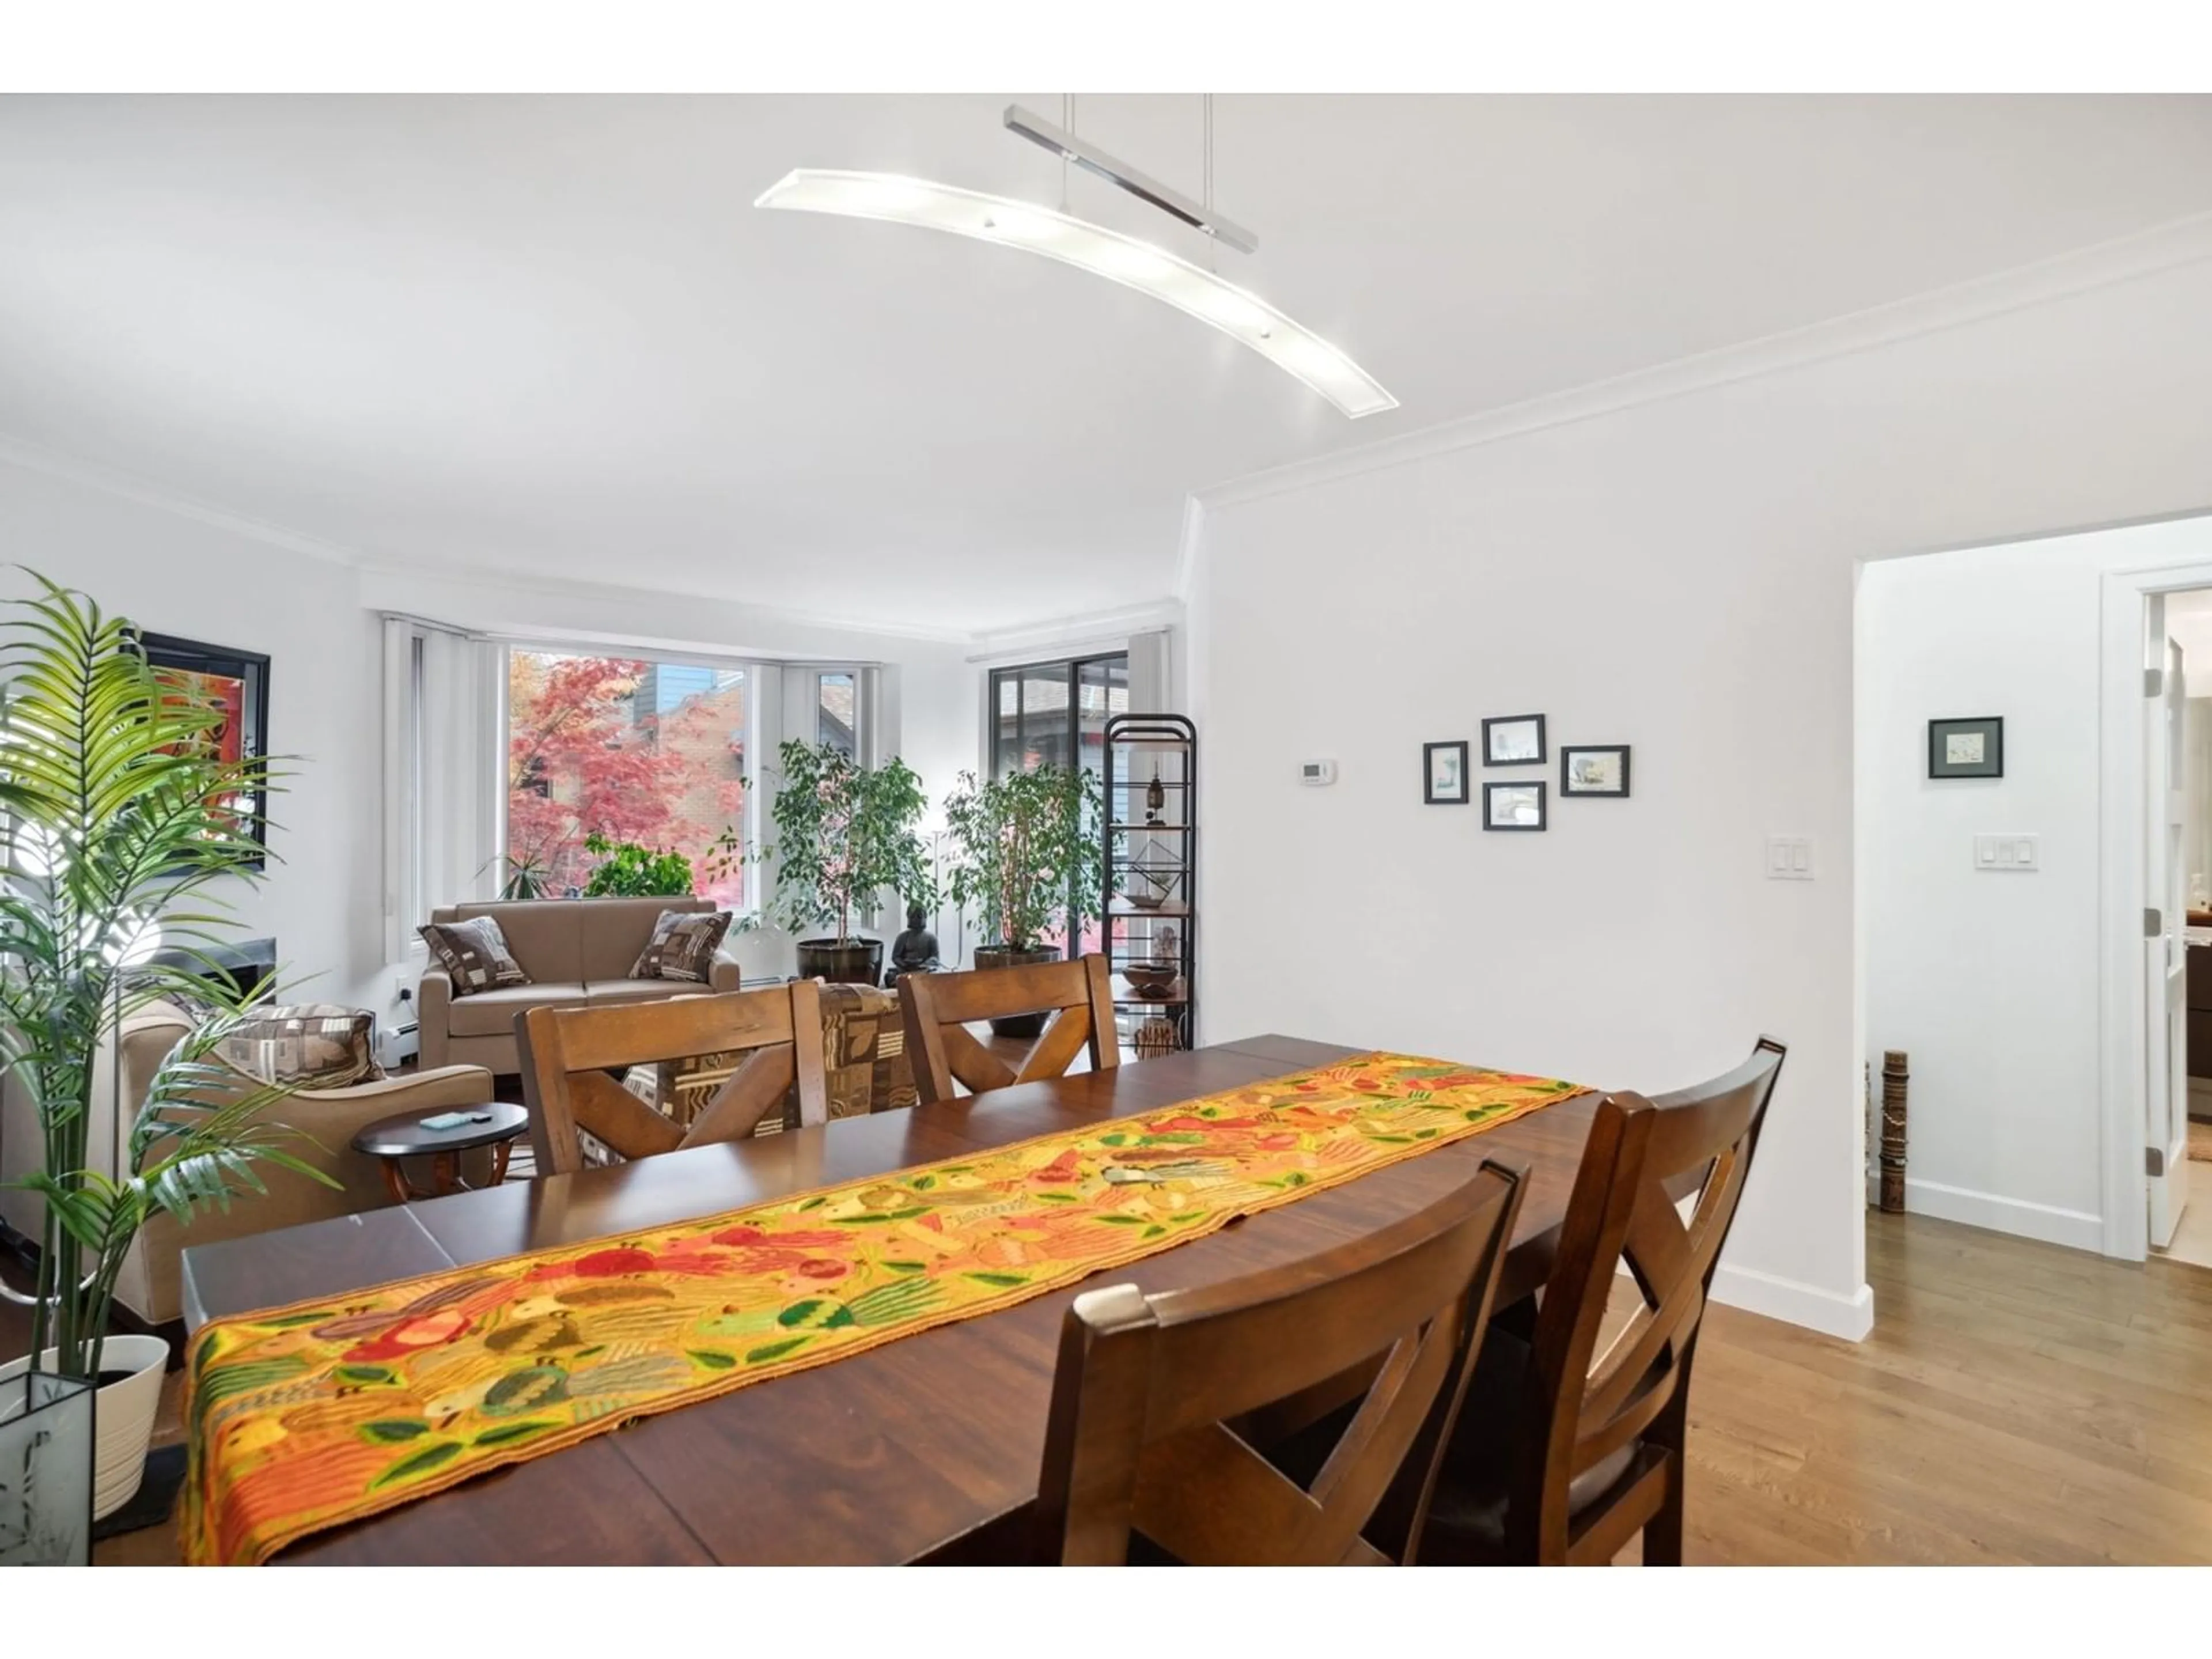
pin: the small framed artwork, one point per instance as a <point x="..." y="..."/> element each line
<point x="1513" y="806"/>
<point x="1967" y="748"/>
<point x="1443" y="774"/>
<point x="1514" y="740"/>
<point x="1601" y="770"/>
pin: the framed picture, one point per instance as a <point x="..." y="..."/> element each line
<point x="1967" y="748"/>
<point x="1514" y="740"/>
<point x="1443" y="774"/>
<point x="1513" y="806"/>
<point x="236" y="683"/>
<point x="1601" y="770"/>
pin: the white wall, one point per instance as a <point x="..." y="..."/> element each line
<point x="1677" y="575"/>
<point x="1989" y="980"/>
<point x="317" y="621"/>
<point x="322" y="899"/>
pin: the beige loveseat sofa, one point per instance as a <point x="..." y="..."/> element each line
<point x="327" y="1119"/>
<point x="578" y="953"/>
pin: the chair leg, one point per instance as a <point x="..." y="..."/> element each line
<point x="1662" y="1533"/>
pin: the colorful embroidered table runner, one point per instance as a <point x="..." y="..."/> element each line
<point x="311" y="1416"/>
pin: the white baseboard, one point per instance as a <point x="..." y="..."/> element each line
<point x="1850" y="1317"/>
<point x="2076" y="1229"/>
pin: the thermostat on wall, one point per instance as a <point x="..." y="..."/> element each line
<point x="1316" y="772"/>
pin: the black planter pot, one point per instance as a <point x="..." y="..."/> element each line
<point x="856" y="961"/>
<point x="1025" y="1026"/>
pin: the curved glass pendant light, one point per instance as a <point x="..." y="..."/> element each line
<point x="1244" y="316"/>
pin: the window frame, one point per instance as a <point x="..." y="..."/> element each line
<point x="1021" y="674"/>
<point x="756" y="670"/>
<point x="1027" y="671"/>
<point x="407" y="825"/>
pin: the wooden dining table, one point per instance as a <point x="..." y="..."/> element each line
<point x="923" y="1449"/>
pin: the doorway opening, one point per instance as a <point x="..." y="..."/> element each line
<point x="2034" y="805"/>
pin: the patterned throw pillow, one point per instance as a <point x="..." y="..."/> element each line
<point x="864" y="1047"/>
<point x="682" y="947"/>
<point x="316" y="1045"/>
<point x="473" y="954"/>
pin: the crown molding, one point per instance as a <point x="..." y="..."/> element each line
<point x="1189" y="547"/>
<point x="114" y="482"/>
<point x="2164" y="247"/>
<point x="2179" y="243"/>
<point x="494" y="579"/>
<point x="1098" y="628"/>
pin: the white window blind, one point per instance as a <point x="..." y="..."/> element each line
<point x="443" y="781"/>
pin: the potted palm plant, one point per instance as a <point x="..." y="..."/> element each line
<point x="844" y="834"/>
<point x="123" y="821"/>
<point x="1029" y="853"/>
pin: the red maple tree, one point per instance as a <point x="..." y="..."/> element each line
<point x="582" y="760"/>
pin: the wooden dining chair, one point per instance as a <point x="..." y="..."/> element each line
<point x="567" y="1053"/>
<point x="939" y="1007"/>
<point x="1159" y="1401"/>
<point x="1558" y="1459"/>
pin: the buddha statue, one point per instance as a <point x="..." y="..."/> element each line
<point x="914" y="952"/>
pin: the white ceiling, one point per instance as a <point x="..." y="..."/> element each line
<point x="552" y="336"/>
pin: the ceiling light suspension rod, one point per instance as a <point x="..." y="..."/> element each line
<point x="1199" y="216"/>
<point x="1206" y="170"/>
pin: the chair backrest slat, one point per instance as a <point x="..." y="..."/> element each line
<point x="938" y="1007"/>
<point x="1144" y="1434"/>
<point x="568" y="1053"/>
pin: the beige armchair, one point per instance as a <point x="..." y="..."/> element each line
<point x="327" y="1119"/>
<point x="578" y="953"/>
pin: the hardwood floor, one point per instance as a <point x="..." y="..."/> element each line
<point x="2016" y="1403"/>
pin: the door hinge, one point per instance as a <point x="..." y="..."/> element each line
<point x="2153" y="682"/>
<point x="2154" y="1162"/>
<point x="2154" y="924"/>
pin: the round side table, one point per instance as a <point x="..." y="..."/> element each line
<point x="394" y="1138"/>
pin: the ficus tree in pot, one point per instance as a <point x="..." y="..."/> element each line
<point x="120" y="822"/>
<point x="844" y="834"/>
<point x="1029" y="853"/>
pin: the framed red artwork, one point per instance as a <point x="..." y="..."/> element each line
<point x="237" y="683"/>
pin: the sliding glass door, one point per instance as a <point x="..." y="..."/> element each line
<point x="1055" y="713"/>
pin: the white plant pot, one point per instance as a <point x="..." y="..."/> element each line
<point x="124" y="1415"/>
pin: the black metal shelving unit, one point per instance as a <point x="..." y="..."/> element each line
<point x="1152" y="873"/>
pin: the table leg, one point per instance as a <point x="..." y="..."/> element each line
<point x="500" y="1154"/>
<point x="445" y="1174"/>
<point x="395" y="1179"/>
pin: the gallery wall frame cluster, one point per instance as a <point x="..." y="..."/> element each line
<point x="1598" y="771"/>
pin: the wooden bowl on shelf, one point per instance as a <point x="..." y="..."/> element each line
<point x="1151" y="979"/>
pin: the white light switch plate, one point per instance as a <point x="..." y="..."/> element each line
<point x="2008" y="853"/>
<point x="1788" y="857"/>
